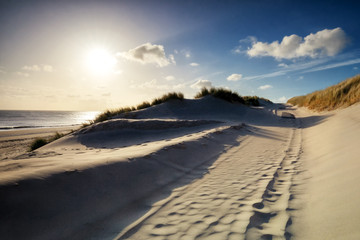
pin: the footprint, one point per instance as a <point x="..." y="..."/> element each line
<point x="259" y="205"/>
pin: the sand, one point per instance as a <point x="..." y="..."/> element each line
<point x="192" y="169"/>
<point x="16" y="142"/>
<point x="331" y="156"/>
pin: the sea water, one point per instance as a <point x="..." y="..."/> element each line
<point x="39" y="119"/>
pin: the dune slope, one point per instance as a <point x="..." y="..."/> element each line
<point x="331" y="156"/>
<point x="340" y="95"/>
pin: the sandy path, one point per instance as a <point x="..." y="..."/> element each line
<point x="245" y="195"/>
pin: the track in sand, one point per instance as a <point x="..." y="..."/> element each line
<point x="246" y="194"/>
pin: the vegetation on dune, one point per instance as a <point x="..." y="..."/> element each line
<point x="143" y="105"/>
<point x="342" y="94"/>
<point x="216" y="92"/>
<point x="39" y="142"/>
<point x="167" y="97"/>
<point x="229" y="96"/>
<point x="111" y="113"/>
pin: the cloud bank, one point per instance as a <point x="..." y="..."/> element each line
<point x="327" y="42"/>
<point x="148" y="53"/>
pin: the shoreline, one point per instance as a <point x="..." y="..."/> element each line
<point x="15" y="142"/>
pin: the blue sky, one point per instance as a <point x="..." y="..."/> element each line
<point x="94" y="55"/>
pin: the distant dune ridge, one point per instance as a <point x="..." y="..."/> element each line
<point x="220" y="93"/>
<point x="340" y="95"/>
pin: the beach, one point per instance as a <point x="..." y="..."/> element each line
<point x="191" y="169"/>
<point x="16" y="142"/>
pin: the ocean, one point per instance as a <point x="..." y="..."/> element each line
<point x="40" y="119"/>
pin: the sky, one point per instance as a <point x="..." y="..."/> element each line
<point x="97" y="55"/>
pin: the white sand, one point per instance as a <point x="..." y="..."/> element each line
<point x="332" y="159"/>
<point x="191" y="170"/>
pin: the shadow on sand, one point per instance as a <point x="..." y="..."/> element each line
<point x="99" y="202"/>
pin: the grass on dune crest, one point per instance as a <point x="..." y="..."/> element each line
<point x="111" y="113"/>
<point x="342" y="94"/>
<point x="229" y="96"/>
<point x="222" y="93"/>
<point x="39" y="142"/>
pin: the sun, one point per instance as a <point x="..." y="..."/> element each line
<point x="100" y="61"/>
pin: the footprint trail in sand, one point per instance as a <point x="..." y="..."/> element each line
<point x="245" y="195"/>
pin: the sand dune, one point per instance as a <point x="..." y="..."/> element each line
<point x="331" y="158"/>
<point x="192" y="169"/>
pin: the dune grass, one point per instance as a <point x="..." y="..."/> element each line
<point x="167" y="97"/>
<point x="143" y="105"/>
<point x="342" y="94"/>
<point x="222" y="93"/>
<point x="39" y="142"/>
<point x="111" y="113"/>
<point x="229" y="96"/>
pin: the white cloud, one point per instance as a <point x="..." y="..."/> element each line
<point x="249" y="39"/>
<point x="48" y="68"/>
<point x="172" y="59"/>
<point x="153" y="84"/>
<point x="282" y="99"/>
<point x="22" y="74"/>
<point x="201" y="84"/>
<point x="355" y="68"/>
<point x="38" y="68"/>
<point x="264" y="87"/>
<point x="327" y="42"/>
<point x="194" y="64"/>
<point x="234" y="77"/>
<point x="148" y="53"/>
<point x="170" y="78"/>
<point x="186" y="53"/>
<point x="179" y="86"/>
<point x="284" y="65"/>
<point x="33" y="68"/>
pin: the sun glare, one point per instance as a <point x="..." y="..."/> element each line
<point x="100" y="62"/>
